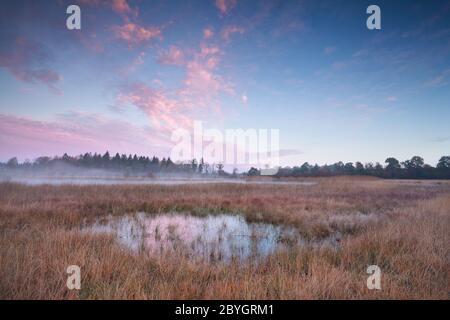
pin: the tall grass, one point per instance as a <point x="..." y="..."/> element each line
<point x="403" y="228"/>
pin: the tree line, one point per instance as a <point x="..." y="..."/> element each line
<point x="414" y="168"/>
<point x="126" y="164"/>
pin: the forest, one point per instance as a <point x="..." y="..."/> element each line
<point x="414" y="168"/>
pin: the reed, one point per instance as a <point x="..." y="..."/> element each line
<point x="401" y="227"/>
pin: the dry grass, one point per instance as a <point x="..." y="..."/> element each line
<point x="401" y="227"/>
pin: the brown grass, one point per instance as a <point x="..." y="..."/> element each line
<point x="401" y="227"/>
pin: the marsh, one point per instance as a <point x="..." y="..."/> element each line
<point x="299" y="241"/>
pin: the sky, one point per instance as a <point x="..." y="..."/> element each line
<point x="139" y="70"/>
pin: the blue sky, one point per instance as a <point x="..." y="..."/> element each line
<point x="137" y="70"/>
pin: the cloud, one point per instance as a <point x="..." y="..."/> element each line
<point x="172" y="56"/>
<point x="121" y="7"/>
<point x="76" y="133"/>
<point x="202" y="83"/>
<point x="229" y="30"/>
<point x="208" y="33"/>
<point x="208" y="51"/>
<point x="26" y="61"/>
<point x="131" y="32"/>
<point x="170" y="110"/>
<point x="135" y="34"/>
<point x="225" y="6"/>
<point x="439" y="80"/>
<point x="165" y="113"/>
<point x="197" y="95"/>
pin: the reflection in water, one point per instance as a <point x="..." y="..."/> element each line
<point x="213" y="238"/>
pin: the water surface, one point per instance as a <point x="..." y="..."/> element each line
<point x="223" y="237"/>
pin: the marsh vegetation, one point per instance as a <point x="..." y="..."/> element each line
<point x="344" y="225"/>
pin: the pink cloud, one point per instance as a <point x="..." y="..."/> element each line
<point x="76" y="133"/>
<point x="197" y="95"/>
<point x="202" y="84"/>
<point x="26" y="60"/>
<point x="225" y="6"/>
<point x="172" y="56"/>
<point x="135" y="34"/>
<point x="121" y="6"/>
<point x="206" y="51"/>
<point x="229" y="30"/>
<point x="208" y="33"/>
<point x="164" y="112"/>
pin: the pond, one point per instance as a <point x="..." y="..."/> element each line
<point x="223" y="237"/>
